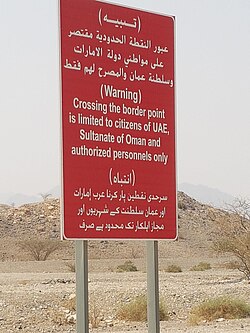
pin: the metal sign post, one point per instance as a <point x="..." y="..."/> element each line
<point x="118" y="134"/>
<point x="82" y="311"/>
<point x="153" y="287"/>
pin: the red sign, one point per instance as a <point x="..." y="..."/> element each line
<point x="118" y="122"/>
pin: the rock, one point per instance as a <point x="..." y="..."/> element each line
<point x="72" y="296"/>
<point x="71" y="318"/>
<point x="219" y="320"/>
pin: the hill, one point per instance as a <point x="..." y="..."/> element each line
<point x="42" y="221"/>
<point x="207" y="195"/>
<point x="45" y="290"/>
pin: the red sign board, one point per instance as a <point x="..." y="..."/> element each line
<point x="118" y="122"/>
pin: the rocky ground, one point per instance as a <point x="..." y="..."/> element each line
<point x="40" y="296"/>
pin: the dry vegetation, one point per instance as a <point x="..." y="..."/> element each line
<point x="136" y="310"/>
<point x="201" y="266"/>
<point x="174" y="269"/>
<point x="234" y="235"/>
<point x="40" y="272"/>
<point x="128" y="266"/>
<point x="221" y="307"/>
<point x="40" y="250"/>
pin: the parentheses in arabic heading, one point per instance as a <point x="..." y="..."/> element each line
<point x="101" y="91"/>
<point x="133" y="171"/>
<point x="100" y="17"/>
<point x="139" y="24"/>
<point x="139" y="95"/>
<point x="110" y="176"/>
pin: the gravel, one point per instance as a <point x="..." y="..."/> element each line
<point x="44" y="301"/>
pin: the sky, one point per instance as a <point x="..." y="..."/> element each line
<point x="212" y="93"/>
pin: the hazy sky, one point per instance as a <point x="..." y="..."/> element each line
<point x="213" y="93"/>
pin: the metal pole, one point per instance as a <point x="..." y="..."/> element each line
<point x="153" y="287"/>
<point x="82" y="311"/>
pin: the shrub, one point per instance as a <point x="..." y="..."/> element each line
<point x="40" y="250"/>
<point x="95" y="315"/>
<point x="135" y="252"/>
<point x="174" y="269"/>
<point x="70" y="304"/>
<point x="221" y="307"/>
<point x="233" y="234"/>
<point x="136" y="310"/>
<point x="182" y="205"/>
<point x="231" y="265"/>
<point x="238" y="246"/>
<point x="71" y="266"/>
<point x="202" y="266"/>
<point x="45" y="196"/>
<point x="68" y="317"/>
<point x="128" y="266"/>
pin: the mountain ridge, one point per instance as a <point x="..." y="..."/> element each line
<point x="207" y="195"/>
<point x="202" y="193"/>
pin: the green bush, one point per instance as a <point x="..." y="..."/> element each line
<point x="221" y="307"/>
<point x="128" y="266"/>
<point x="136" y="310"/>
<point x="202" y="266"/>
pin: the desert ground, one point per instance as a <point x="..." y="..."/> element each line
<point x="39" y="296"/>
<point x="35" y="296"/>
